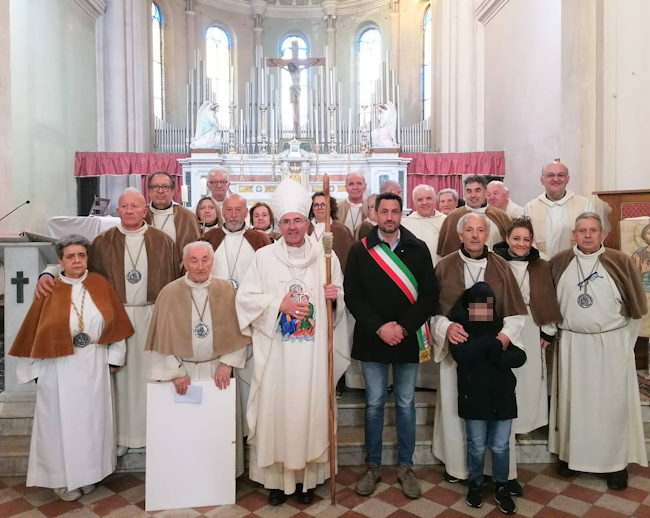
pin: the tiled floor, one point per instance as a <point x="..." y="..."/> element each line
<point x="545" y="495"/>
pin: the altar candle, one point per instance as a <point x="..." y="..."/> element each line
<point x="316" y="123"/>
<point x="241" y="126"/>
<point x="349" y="126"/>
<point x="204" y="186"/>
<point x="184" y="197"/>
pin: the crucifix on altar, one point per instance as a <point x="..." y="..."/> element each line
<point x="295" y="66"/>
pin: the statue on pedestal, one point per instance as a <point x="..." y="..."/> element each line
<point x="383" y="136"/>
<point x="207" y="134"/>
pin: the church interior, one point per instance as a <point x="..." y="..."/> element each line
<point x="96" y="94"/>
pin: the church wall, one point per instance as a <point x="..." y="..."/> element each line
<point x="522" y="82"/>
<point x="53" y="106"/>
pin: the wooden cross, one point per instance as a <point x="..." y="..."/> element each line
<point x="294" y="66"/>
<point x="20" y="281"/>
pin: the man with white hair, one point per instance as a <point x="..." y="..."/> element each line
<point x="455" y="273"/>
<point x="283" y="299"/>
<point x="595" y="420"/>
<point x="351" y="210"/>
<point x="554" y="212"/>
<point x="498" y="195"/>
<point x="425" y="221"/>
<point x="194" y="333"/>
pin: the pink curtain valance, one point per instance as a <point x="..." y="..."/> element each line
<point x="98" y="163"/>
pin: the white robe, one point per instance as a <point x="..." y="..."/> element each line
<point x="168" y="367"/>
<point x="513" y="210"/>
<point x="288" y="405"/>
<point x="131" y="381"/>
<point x="449" y="438"/>
<point x="163" y="219"/>
<point x="354" y="218"/>
<point x="73" y="442"/>
<point x="597" y="425"/>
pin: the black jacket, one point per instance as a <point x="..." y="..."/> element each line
<point x="374" y="299"/>
<point x="486" y="384"/>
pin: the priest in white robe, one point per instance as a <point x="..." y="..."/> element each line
<point x="194" y="333"/>
<point x="456" y="273"/>
<point x="282" y="298"/>
<point x="595" y="421"/>
<point x="67" y="342"/>
<point x="554" y="212"/>
<point x="498" y="195"/>
<point x="351" y="210"/>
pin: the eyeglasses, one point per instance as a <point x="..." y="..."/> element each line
<point x="559" y="176"/>
<point x="160" y="188"/>
<point x="319" y="205"/>
<point x="219" y="182"/>
<point x="294" y="221"/>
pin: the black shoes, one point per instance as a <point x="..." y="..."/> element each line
<point x="474" y="497"/>
<point x="514" y="487"/>
<point x="504" y="500"/>
<point x="306" y="497"/>
<point x="617" y="480"/>
<point x="564" y="471"/>
<point x="277" y="497"/>
<point x="451" y="479"/>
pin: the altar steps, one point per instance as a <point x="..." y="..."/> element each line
<point x="16" y="421"/>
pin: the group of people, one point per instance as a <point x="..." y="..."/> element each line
<point x="462" y="300"/>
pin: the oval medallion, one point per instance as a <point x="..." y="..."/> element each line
<point x="201" y="330"/>
<point x="134" y="276"/>
<point x="585" y="300"/>
<point x="81" y="339"/>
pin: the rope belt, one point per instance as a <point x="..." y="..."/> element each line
<point x="143" y="305"/>
<point x="596" y="333"/>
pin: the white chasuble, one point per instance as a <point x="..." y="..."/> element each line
<point x="163" y="219"/>
<point x="288" y="405"/>
<point x="73" y="442"/>
<point x="131" y="381"/>
<point x="595" y="420"/>
<point x="449" y="438"/>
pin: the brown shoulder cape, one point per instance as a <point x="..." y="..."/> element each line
<point x="451" y="279"/>
<point x="544" y="307"/>
<point x="255" y="238"/>
<point x="106" y="257"/>
<point x="622" y="270"/>
<point x="170" y="331"/>
<point x="45" y="332"/>
<point x="449" y="241"/>
<point x="343" y="240"/>
<point x="186" y="225"/>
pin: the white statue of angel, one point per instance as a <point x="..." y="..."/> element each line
<point x="384" y="133"/>
<point x="207" y="134"/>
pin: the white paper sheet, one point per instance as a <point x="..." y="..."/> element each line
<point x="190" y="448"/>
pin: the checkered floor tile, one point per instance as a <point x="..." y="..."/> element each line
<point x="545" y="495"/>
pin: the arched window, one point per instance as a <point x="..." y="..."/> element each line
<point x="158" y="72"/>
<point x="285" y="81"/>
<point x="218" y="70"/>
<point x="368" y="64"/>
<point x="425" y="80"/>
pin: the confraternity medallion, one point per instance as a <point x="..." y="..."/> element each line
<point x="134" y="276"/>
<point x="234" y="283"/>
<point x="585" y="300"/>
<point x="201" y="330"/>
<point x="81" y="339"/>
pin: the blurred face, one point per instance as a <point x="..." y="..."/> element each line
<point x="261" y="218"/>
<point x="355" y="186"/>
<point x="474" y="235"/>
<point x="234" y="212"/>
<point x="207" y="211"/>
<point x="161" y="191"/>
<point x="318" y="206"/>
<point x="447" y="203"/>
<point x="588" y="235"/>
<point x="389" y="216"/>
<point x="198" y="264"/>
<point x="392" y="187"/>
<point x="293" y="227"/>
<point x="555" y="179"/>
<point x="519" y="241"/>
<point x="497" y="196"/>
<point x="424" y="201"/>
<point x="74" y="261"/>
<point x="481" y="311"/>
<point x="131" y="210"/>
<point x="218" y="183"/>
<point x="474" y="195"/>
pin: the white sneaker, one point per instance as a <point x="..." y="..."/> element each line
<point x="67" y="496"/>
<point x="88" y="489"/>
<point x="121" y="450"/>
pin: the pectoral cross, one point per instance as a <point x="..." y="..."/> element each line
<point x="20" y="281"/>
<point x="294" y="66"/>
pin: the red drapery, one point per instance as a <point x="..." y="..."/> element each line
<point x="443" y="170"/>
<point x="97" y="163"/>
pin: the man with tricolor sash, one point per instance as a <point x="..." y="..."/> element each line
<point x="391" y="291"/>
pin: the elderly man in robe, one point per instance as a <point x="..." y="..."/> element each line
<point x="476" y="203"/>
<point x="425" y="221"/>
<point x="554" y="212"/>
<point x="351" y="210"/>
<point x="498" y="195"/>
<point x="194" y="333"/>
<point x="595" y="421"/>
<point x="67" y="342"/>
<point x="173" y="219"/>
<point x="472" y="263"/>
<point x="282" y="298"/>
<point x="219" y="184"/>
<point x="447" y="200"/>
<point x="138" y="260"/>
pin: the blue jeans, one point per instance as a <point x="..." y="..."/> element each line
<point x="480" y="435"/>
<point x="376" y="378"/>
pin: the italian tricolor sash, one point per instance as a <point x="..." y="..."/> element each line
<point x="400" y="274"/>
